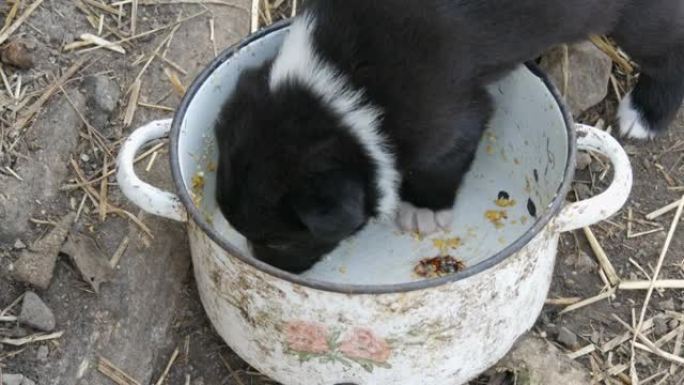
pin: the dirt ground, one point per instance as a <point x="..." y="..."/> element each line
<point x="149" y="307"/>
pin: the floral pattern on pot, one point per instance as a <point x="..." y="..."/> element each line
<point x="310" y="340"/>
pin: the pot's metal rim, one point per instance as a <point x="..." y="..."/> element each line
<point x="196" y="216"/>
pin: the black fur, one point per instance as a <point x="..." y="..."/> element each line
<point x="293" y="180"/>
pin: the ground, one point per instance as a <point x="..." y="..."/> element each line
<point x="150" y="308"/>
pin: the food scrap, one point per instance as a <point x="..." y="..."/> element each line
<point x="439" y="266"/>
<point x="504" y="200"/>
<point x="197" y="188"/>
<point x="496" y="217"/>
<point x="444" y="245"/>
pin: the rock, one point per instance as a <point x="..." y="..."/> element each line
<point x="672" y="324"/>
<point x="567" y="338"/>
<point x="19" y="245"/>
<point x="583" y="190"/>
<point x="27" y="381"/>
<point x="36" y="314"/>
<point x="54" y="136"/>
<point x="667" y="304"/>
<point x="42" y="353"/>
<point x="88" y="259"/>
<point x="541" y="363"/>
<point x="36" y="264"/>
<point x="583" y="161"/>
<point x="588" y="70"/>
<point x="16" y="53"/>
<point x="103" y="96"/>
<point x="12" y="379"/>
<point x="584" y="263"/>
<point x="660" y="326"/>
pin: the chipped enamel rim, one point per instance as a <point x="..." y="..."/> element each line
<point x="510" y="250"/>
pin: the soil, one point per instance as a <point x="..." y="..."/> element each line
<point x="150" y="307"/>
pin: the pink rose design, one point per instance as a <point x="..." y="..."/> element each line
<point x="363" y="344"/>
<point x="307" y="337"/>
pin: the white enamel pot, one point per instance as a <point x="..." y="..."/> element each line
<point x="361" y="316"/>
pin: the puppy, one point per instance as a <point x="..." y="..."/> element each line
<point x="371" y="103"/>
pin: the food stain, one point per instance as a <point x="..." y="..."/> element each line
<point x="496" y="217"/>
<point x="444" y="245"/>
<point x="504" y="200"/>
<point x="197" y="188"/>
<point x="439" y="266"/>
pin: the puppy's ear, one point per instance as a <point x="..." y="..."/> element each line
<point x="332" y="205"/>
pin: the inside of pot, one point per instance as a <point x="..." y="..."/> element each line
<point x="514" y="180"/>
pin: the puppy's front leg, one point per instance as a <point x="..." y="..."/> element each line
<point x="431" y="180"/>
<point x="429" y="193"/>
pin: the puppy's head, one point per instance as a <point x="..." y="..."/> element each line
<point x="290" y="178"/>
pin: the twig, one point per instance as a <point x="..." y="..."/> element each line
<point x="661" y="259"/>
<point x="7" y="32"/>
<point x="38" y="104"/>
<point x="30" y="339"/>
<point x="120" y="250"/>
<point x="602" y="257"/>
<point x="8" y="318"/>
<point x="233" y="374"/>
<point x="132" y="103"/>
<point x="112" y="171"/>
<point x="659" y="284"/>
<point x="104" y="7"/>
<point x="609" y="50"/>
<point x="162" y="377"/>
<point x="562" y="301"/>
<point x="98" y="41"/>
<point x="113" y="373"/>
<point x="600" y="297"/>
<point x="664" y="210"/>
<point x="255" y="16"/>
<point x="134" y="16"/>
<point x="92" y="194"/>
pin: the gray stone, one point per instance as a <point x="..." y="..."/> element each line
<point x="588" y="71"/>
<point x="54" y="136"/>
<point x="18" y="244"/>
<point x="27" y="381"/>
<point x="36" y="264"/>
<point x="36" y="314"/>
<point x="543" y="364"/>
<point x="12" y="379"/>
<point x="584" y="263"/>
<point x="42" y="353"/>
<point x="672" y="324"/>
<point x="567" y="338"/>
<point x="583" y="161"/>
<point x="667" y="304"/>
<point x="583" y="190"/>
<point x="103" y="95"/>
<point x="660" y="326"/>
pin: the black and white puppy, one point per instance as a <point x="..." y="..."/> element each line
<point x="371" y="103"/>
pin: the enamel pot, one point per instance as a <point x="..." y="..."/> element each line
<point x="361" y="316"/>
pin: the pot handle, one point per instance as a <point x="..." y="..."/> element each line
<point x="590" y="211"/>
<point x="147" y="197"/>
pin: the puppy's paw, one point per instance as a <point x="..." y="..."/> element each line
<point x="422" y="221"/>
<point x="632" y="123"/>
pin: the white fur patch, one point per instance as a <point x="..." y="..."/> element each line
<point x="632" y="124"/>
<point x="423" y="221"/>
<point x="298" y="62"/>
